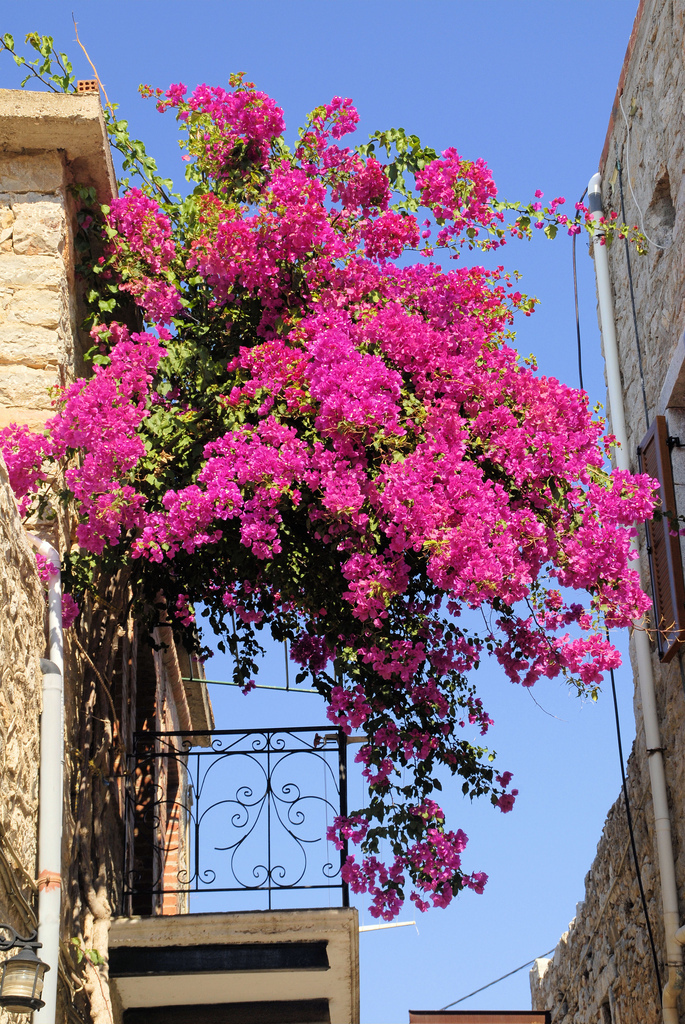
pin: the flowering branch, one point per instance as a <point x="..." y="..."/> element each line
<point x="309" y="437"/>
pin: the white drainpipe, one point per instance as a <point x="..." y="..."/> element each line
<point x="657" y="776"/>
<point x="50" y="793"/>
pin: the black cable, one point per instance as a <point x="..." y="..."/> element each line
<point x="575" y="296"/>
<point x="629" y="818"/>
<point x="632" y="296"/>
<point x="491" y="983"/>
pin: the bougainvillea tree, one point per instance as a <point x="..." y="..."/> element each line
<point x="299" y="422"/>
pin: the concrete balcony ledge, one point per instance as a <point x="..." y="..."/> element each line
<point x="261" y="967"/>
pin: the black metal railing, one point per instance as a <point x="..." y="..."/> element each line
<point x="233" y="811"/>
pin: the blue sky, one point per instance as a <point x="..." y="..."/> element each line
<point x="528" y="85"/>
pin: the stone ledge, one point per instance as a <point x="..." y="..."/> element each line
<point x="40" y="121"/>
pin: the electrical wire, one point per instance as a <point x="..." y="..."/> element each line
<point x="495" y="982"/>
<point x="629" y="818"/>
<point x="632" y="294"/>
<point x="575" y="296"/>
<point x="642" y="219"/>
<point x="629" y="815"/>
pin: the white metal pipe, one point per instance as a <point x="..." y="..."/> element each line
<point x="657" y="775"/>
<point x="50" y="792"/>
<point x="386" y="924"/>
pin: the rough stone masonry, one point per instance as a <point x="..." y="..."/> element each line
<point x="47" y="144"/>
<point x="602" y="970"/>
<point x="22" y="642"/>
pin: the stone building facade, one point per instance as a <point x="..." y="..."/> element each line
<point x="40" y="347"/>
<point x="22" y="644"/>
<point x="130" y="951"/>
<point x="49" y="144"/>
<point x="603" y="968"/>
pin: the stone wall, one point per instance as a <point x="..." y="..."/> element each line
<point x="37" y="315"/>
<point x="602" y="969"/>
<point x="47" y="144"/>
<point x="22" y="644"/>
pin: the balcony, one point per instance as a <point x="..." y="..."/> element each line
<point x="234" y="902"/>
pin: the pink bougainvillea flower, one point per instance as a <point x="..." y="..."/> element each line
<point x="299" y="422"/>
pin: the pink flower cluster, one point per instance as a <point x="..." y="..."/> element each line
<point x="220" y="122"/>
<point x="435" y="864"/>
<point x="143" y="229"/>
<point x="24" y="452"/>
<point x="459" y="193"/>
<point x="368" y="457"/>
<point x="100" y="419"/>
<point x="46" y="569"/>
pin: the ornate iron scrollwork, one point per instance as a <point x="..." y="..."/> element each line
<point x="15" y="939"/>
<point x="235" y="811"/>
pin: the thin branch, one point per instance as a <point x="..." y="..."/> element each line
<point x="98" y="675"/>
<point x="22" y="63"/>
<point x="530" y="693"/>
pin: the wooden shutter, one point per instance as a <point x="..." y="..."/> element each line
<point x="665" y="563"/>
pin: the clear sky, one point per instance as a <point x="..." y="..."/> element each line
<point x="528" y="85"/>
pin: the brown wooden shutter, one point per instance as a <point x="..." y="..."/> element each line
<point x="665" y="563"/>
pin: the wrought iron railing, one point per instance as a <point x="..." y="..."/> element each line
<point x="233" y="811"/>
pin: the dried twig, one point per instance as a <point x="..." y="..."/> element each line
<point x="104" y="91"/>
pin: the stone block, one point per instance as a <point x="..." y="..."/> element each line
<point x="22" y="387"/>
<point x="31" y="271"/>
<point x="31" y="172"/>
<point x="33" y="418"/>
<point x="6" y="227"/>
<point x="39" y="228"/>
<point x="36" y="307"/>
<point x="36" y="347"/>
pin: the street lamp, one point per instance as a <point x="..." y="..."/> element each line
<point x="21" y="976"/>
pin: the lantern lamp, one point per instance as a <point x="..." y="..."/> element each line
<point x="21" y="976"/>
